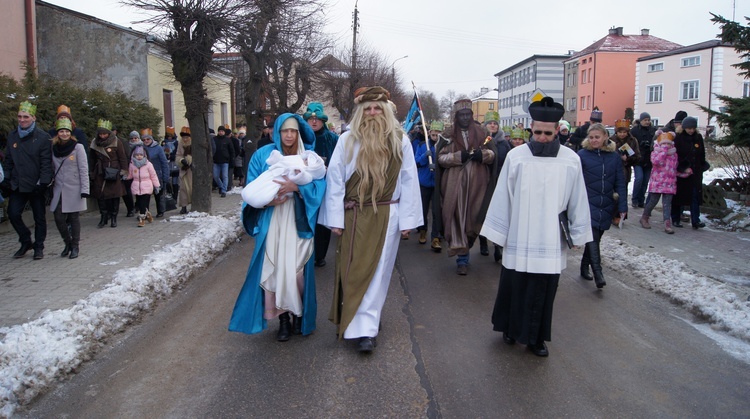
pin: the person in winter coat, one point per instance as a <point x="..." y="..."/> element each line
<point x="691" y="163"/>
<point x="133" y="140"/>
<point x="426" y="175"/>
<point x="663" y="183"/>
<point x="281" y="277"/>
<point x="675" y="124"/>
<point x="145" y="182"/>
<point x="605" y="181"/>
<point x="157" y="158"/>
<point x="28" y="172"/>
<point x="643" y="132"/>
<point x="248" y="148"/>
<point x="71" y="186"/>
<point x="325" y="143"/>
<point x="108" y="165"/>
<point x="581" y="133"/>
<point x="630" y="153"/>
<point x="184" y="157"/>
<point x="223" y="156"/>
<point x="563" y="132"/>
<point x="492" y="125"/>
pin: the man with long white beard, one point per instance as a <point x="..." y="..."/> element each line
<point x="372" y="200"/>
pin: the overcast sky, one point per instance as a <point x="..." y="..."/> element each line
<point x="460" y="45"/>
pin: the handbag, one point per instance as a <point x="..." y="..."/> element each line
<point x="110" y="173"/>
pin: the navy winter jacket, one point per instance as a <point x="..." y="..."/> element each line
<point x="604" y="176"/>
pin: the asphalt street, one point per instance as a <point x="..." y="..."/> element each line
<point x="620" y="352"/>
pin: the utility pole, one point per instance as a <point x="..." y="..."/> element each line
<point x="354" y="44"/>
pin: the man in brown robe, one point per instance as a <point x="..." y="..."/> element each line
<point x="466" y="179"/>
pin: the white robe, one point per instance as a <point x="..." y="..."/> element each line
<point x="523" y="214"/>
<point x="404" y="215"/>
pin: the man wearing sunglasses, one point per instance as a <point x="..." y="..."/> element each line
<point x="538" y="182"/>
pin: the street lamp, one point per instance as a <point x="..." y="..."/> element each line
<point x="393" y="68"/>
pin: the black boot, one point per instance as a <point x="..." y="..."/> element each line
<point x="183" y="210"/>
<point x="596" y="263"/>
<point x="586" y="263"/>
<point x="113" y="220"/>
<point x="498" y="253"/>
<point x="296" y="325"/>
<point x="25" y="247"/>
<point x="285" y="328"/>
<point x="73" y="252"/>
<point x="66" y="251"/>
<point x="483" y="249"/>
<point x="103" y="221"/>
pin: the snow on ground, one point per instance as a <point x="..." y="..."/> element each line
<point x="710" y="299"/>
<point x="36" y="354"/>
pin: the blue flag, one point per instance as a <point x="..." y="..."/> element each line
<point x="412" y="117"/>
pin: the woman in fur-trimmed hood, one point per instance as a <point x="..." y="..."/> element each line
<point x="184" y="160"/>
<point x="605" y="182"/>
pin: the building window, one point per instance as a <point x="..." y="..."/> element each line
<point x="746" y="89"/>
<point x="583" y="103"/>
<point x="655" y="67"/>
<point x="492" y="106"/>
<point x="591" y="70"/>
<point x="574" y="104"/>
<point x="691" y="61"/>
<point x="168" y="107"/>
<point x="689" y="90"/>
<point x="588" y="102"/>
<point x="655" y="93"/>
<point x="575" y="78"/>
<point x="224" y="113"/>
<point x="583" y="76"/>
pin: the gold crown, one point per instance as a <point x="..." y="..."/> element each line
<point x="64" y="124"/>
<point x="63" y="109"/>
<point x="622" y="123"/>
<point x="27" y="107"/>
<point x="103" y="123"/>
<point x="147" y="131"/>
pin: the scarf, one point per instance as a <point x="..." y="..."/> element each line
<point x="24" y="132"/>
<point x="139" y="162"/>
<point x="132" y="144"/>
<point x="539" y="149"/>
<point x="109" y="142"/>
<point x="64" y="148"/>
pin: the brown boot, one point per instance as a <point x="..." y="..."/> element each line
<point x="141" y="220"/>
<point x="644" y="221"/>
<point x="423" y="237"/>
<point x="149" y="218"/>
<point x="436" y="245"/>
<point x="668" y="227"/>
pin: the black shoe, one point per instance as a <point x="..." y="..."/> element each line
<point x="65" y="251"/>
<point x="113" y="221"/>
<point x="103" y="221"/>
<point x="130" y="214"/>
<point x="586" y="274"/>
<point x="539" y="349"/>
<point x="223" y="195"/>
<point x="498" y="253"/>
<point x="320" y="263"/>
<point x="599" y="279"/>
<point x="483" y="250"/>
<point x="677" y="224"/>
<point x="366" y="345"/>
<point x="699" y="225"/>
<point x="641" y="205"/>
<point x="462" y="269"/>
<point x="183" y="210"/>
<point x="38" y="254"/>
<point x="159" y="214"/>
<point x="73" y="252"/>
<point x="507" y="339"/>
<point x="285" y="328"/>
<point x="25" y="247"/>
<point x="296" y="325"/>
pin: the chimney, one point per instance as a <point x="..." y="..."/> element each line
<point x="612" y="30"/>
<point x="644" y="32"/>
<point x="619" y="30"/>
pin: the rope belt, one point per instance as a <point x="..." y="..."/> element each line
<point x="352" y="205"/>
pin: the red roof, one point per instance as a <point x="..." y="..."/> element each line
<point x="628" y="43"/>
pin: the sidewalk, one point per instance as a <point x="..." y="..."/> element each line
<point x="30" y="287"/>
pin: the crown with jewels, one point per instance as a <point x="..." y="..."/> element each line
<point x="27" y="107"/>
<point x="103" y="123"/>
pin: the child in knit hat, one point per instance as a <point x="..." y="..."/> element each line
<point x="663" y="182"/>
<point x="145" y="183"/>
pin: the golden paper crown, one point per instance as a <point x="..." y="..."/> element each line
<point x="185" y="132"/>
<point x="169" y="130"/>
<point x="63" y="124"/>
<point x="63" y="109"/>
<point x="103" y="123"/>
<point x="27" y="107"/>
<point x="622" y="123"/>
<point x="147" y="131"/>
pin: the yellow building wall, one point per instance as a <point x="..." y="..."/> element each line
<point x="160" y="78"/>
<point x="481" y="107"/>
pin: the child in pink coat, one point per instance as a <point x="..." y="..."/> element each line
<point x="663" y="182"/>
<point x="145" y="183"/>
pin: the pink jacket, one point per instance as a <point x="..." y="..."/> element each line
<point x="144" y="179"/>
<point x="664" y="170"/>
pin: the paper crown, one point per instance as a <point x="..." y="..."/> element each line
<point x="63" y="124"/>
<point x="519" y="133"/>
<point x="103" y="123"/>
<point x="147" y="131"/>
<point x="491" y="116"/>
<point x="27" y="107"/>
<point x="63" y="109"/>
<point x="596" y="116"/>
<point x="185" y="132"/>
<point x="622" y="123"/>
<point x="169" y="130"/>
<point x="437" y="126"/>
<point x="461" y="104"/>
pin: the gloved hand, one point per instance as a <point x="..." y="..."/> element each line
<point x="85" y="195"/>
<point x="41" y="188"/>
<point x="477" y="156"/>
<point x="157" y="190"/>
<point x="465" y="155"/>
<point x="671" y="151"/>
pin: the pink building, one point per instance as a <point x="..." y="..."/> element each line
<point x="18" y="43"/>
<point x="605" y="74"/>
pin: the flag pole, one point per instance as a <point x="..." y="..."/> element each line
<point x="424" y="128"/>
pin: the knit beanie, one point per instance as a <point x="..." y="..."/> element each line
<point x="689" y="122"/>
<point x="134" y="134"/>
<point x="679" y="116"/>
<point x="644" y="115"/>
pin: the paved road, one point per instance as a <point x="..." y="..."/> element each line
<point x="623" y="352"/>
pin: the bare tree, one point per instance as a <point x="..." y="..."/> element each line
<point x="430" y="106"/>
<point x="446" y="103"/>
<point x="191" y="29"/>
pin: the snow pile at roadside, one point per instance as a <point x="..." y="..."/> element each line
<point x="35" y="354"/>
<point x="703" y="296"/>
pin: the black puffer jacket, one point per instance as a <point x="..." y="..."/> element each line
<point x="604" y="177"/>
<point x="645" y="138"/>
<point x="28" y="161"/>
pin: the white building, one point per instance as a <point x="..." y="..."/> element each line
<point x="518" y="82"/>
<point x="684" y="78"/>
